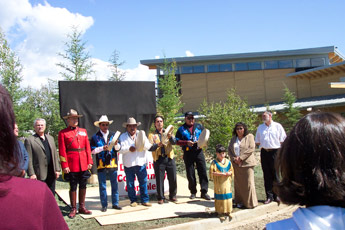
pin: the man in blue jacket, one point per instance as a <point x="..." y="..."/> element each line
<point x="187" y="136"/>
<point x="106" y="162"/>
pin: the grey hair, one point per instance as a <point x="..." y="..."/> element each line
<point x="268" y="112"/>
<point x="40" y="119"/>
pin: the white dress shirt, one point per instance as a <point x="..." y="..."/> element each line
<point x="270" y="136"/>
<point x="237" y="147"/>
<point x="135" y="158"/>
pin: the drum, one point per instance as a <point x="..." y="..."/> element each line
<point x="140" y="141"/>
<point x="203" y="138"/>
<point x="168" y="130"/>
<point x="112" y="143"/>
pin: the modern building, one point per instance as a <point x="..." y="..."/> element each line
<point x="261" y="77"/>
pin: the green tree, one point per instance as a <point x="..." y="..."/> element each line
<point x="169" y="98"/>
<point x="220" y="118"/>
<point x="291" y="114"/>
<point x="78" y="65"/>
<point x="116" y="73"/>
<point x="10" y="72"/>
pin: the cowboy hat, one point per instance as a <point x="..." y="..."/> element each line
<point x="72" y="113"/>
<point x="102" y="119"/>
<point x="130" y="121"/>
<point x="203" y="138"/>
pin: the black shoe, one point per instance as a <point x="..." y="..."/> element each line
<point x="205" y="196"/>
<point x="104" y="209"/>
<point x="192" y="196"/>
<point x="117" y="207"/>
<point x="269" y="200"/>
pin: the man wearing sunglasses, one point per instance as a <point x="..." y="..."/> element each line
<point x="187" y="137"/>
<point x="106" y="162"/>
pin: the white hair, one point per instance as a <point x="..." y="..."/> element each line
<point x="40" y="119"/>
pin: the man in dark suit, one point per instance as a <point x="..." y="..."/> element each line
<point x="44" y="164"/>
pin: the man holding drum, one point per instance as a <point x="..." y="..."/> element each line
<point x="187" y="136"/>
<point x="134" y="161"/>
<point x="163" y="157"/>
<point x="106" y="158"/>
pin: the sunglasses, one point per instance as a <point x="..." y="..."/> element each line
<point x="105" y="124"/>
<point x="190" y="118"/>
<point x="239" y="128"/>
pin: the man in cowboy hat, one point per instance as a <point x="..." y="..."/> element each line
<point x="106" y="162"/>
<point x="187" y="136"/>
<point x="44" y="163"/>
<point x="163" y="157"/>
<point x="134" y="162"/>
<point x="76" y="160"/>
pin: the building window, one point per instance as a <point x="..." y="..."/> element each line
<point x="198" y="69"/>
<point x="271" y="64"/>
<point x="302" y="63"/>
<point x="187" y="69"/>
<point x="225" y="67"/>
<point x="241" y="66"/>
<point x="213" y="68"/>
<point x="254" y="65"/>
<point x="318" y="62"/>
<point x="284" y="64"/>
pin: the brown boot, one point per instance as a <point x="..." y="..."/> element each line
<point x="82" y="209"/>
<point x="73" y="198"/>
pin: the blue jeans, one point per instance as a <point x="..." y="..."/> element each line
<point x="140" y="172"/>
<point x="102" y="176"/>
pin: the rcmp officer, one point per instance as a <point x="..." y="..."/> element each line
<point x="75" y="157"/>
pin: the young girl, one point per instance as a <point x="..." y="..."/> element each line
<point x="221" y="173"/>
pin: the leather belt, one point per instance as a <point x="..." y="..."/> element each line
<point x="269" y="150"/>
<point x="76" y="150"/>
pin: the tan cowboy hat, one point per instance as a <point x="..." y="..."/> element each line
<point x="112" y="143"/>
<point x="72" y="113"/>
<point x="168" y="130"/>
<point x="203" y="138"/>
<point x="102" y="119"/>
<point x="130" y="121"/>
<point x="140" y="141"/>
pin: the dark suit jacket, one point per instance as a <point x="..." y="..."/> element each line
<point x="38" y="164"/>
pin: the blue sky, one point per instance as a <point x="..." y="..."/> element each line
<point x="147" y="29"/>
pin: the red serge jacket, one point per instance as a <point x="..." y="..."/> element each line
<point x="74" y="149"/>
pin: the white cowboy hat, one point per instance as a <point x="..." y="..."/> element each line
<point x="102" y="119"/>
<point x="203" y="138"/>
<point x="168" y="130"/>
<point x="72" y="113"/>
<point x="140" y="141"/>
<point x="112" y="143"/>
<point x="130" y="121"/>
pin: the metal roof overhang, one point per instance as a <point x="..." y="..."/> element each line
<point x="320" y="71"/>
<point x="303" y="104"/>
<point x="333" y="54"/>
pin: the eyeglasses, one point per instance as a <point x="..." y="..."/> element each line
<point x="239" y="128"/>
<point x="106" y="124"/>
<point x="190" y="118"/>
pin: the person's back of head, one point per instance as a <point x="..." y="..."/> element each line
<point x="311" y="162"/>
<point x="8" y="143"/>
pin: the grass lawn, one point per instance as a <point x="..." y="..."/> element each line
<point x="80" y="223"/>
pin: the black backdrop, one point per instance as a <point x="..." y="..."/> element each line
<point x="118" y="100"/>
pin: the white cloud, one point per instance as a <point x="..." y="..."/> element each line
<point x="37" y="34"/>
<point x="189" y="54"/>
<point x="157" y="57"/>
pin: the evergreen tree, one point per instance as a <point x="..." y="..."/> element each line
<point x="220" y="118"/>
<point x="116" y="73"/>
<point x="291" y="114"/>
<point x="78" y="65"/>
<point x="169" y="99"/>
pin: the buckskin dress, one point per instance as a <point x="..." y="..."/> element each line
<point x="222" y="186"/>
